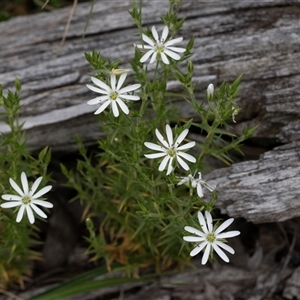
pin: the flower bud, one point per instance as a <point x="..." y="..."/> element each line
<point x="119" y="71"/>
<point x="210" y="91"/>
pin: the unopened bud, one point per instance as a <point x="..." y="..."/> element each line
<point x="210" y="91"/>
<point x="119" y="71"/>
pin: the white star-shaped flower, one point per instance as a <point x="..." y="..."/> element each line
<point x="170" y="150"/>
<point x="192" y="182"/>
<point x="114" y="94"/>
<point x="27" y="198"/>
<point x="160" y="48"/>
<point x="210" y="238"/>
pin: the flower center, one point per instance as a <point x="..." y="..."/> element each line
<point x="160" y="47"/>
<point x="172" y="152"/>
<point x="26" y="200"/>
<point x="210" y="237"/>
<point x="113" y="96"/>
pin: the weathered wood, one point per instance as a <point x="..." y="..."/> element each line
<point x="260" y="39"/>
<point x="266" y="190"/>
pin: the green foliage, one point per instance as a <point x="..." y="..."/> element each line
<point x="16" y="239"/>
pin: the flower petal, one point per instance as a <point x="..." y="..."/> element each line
<point x="101" y="84"/>
<point x="164" y="58"/>
<point x="130" y="97"/>
<point x="42" y="203"/>
<point x="42" y="192"/>
<point x="196" y="250"/>
<point x="155" y="155"/>
<point x="182" y="163"/>
<point x="115" y="109"/>
<point x="193" y="238"/>
<point x="225" y="247"/>
<point x="95" y="89"/>
<point x="199" y="190"/>
<point x="220" y="252"/>
<point x="187" y="146"/>
<point x="102" y="107"/>
<point x="38" y="211"/>
<point x="153" y="58"/>
<point x="129" y="88"/>
<point x="161" y="139"/>
<point x="172" y="54"/>
<point x="176" y="49"/>
<point x="164" y="34"/>
<point x="148" y="40"/>
<point x="155" y="147"/>
<point x="187" y="156"/>
<point x="208" y="218"/>
<point x="206" y="254"/>
<point x="121" y="81"/>
<point x="173" y="41"/>
<point x="16" y="187"/>
<point x="224" y="225"/>
<point x="20" y="213"/>
<point x="11" y="204"/>
<point x="24" y="182"/>
<point x="35" y="185"/>
<point x="163" y="163"/>
<point x="170" y="166"/>
<point x="193" y="230"/>
<point x="154" y="33"/>
<point x="202" y="222"/>
<point x="113" y="81"/>
<point x="146" y="56"/>
<point x="9" y="197"/>
<point x="228" y="234"/>
<point x="30" y="214"/>
<point x="123" y="106"/>
<point x="169" y="134"/>
<point x="97" y="100"/>
<point x="181" y="137"/>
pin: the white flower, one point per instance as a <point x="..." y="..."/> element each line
<point x="210" y="91"/>
<point x="170" y="150"/>
<point x="192" y="182"/>
<point x="210" y="238"/>
<point x="160" y="48"/>
<point x="27" y="199"/>
<point x="114" y="95"/>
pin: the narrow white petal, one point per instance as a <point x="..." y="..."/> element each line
<point x="163" y="163"/>
<point x="130" y="97"/>
<point x="154" y="33"/>
<point x="206" y="254"/>
<point x="196" y="250"/>
<point x="97" y="90"/>
<point x="115" y="109"/>
<point x="209" y="221"/>
<point x="129" y="88"/>
<point x="42" y="192"/>
<point x="101" y="84"/>
<point x="181" y="137"/>
<point x="42" y="203"/>
<point x="38" y="211"/>
<point x="97" y="100"/>
<point x="176" y="49"/>
<point x="164" y="58"/>
<point x="225" y="247"/>
<point x="123" y="106"/>
<point x="193" y="238"/>
<point x="16" y="187"/>
<point x="24" y="182"/>
<point x="20" y="213"/>
<point x="165" y="33"/>
<point x="187" y="146"/>
<point x="220" y="252"/>
<point x="194" y="231"/>
<point x="161" y="139"/>
<point x="148" y="40"/>
<point x="169" y="134"/>
<point x="35" y="185"/>
<point x="102" y="107"/>
<point x="9" y="197"/>
<point x="224" y="225"/>
<point x="11" y="204"/>
<point x="202" y="222"/>
<point x="228" y="234"/>
<point x="146" y="56"/>
<point x="156" y="147"/>
<point x="172" y="54"/>
<point x="170" y="166"/>
<point x="121" y="81"/>
<point x="30" y="214"/>
<point x="199" y="190"/>
<point x="153" y="58"/>
<point x="173" y="41"/>
<point x="186" y="156"/>
<point x="155" y="155"/>
<point x="113" y="81"/>
<point x="182" y="163"/>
